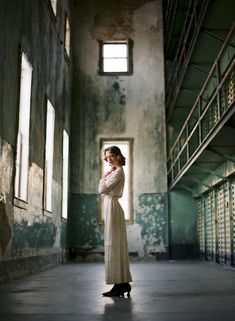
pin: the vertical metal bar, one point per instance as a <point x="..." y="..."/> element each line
<point x="213" y="225"/>
<point x="228" y="224"/>
<point x="204" y="224"/>
<point x="178" y="156"/>
<point x="231" y="224"/>
<point x="171" y="178"/>
<point x="216" y="228"/>
<point x="224" y="223"/>
<point x="232" y="212"/>
<point x="218" y="77"/>
<point x="187" y="142"/>
<point x="20" y="190"/>
<point x="199" y="120"/>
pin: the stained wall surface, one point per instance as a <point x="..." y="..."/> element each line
<point x="30" y="239"/>
<point x="118" y="107"/>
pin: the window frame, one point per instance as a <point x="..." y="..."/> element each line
<point x="48" y="210"/>
<point x="115" y="140"/>
<point x="67" y="36"/>
<point x="129" y="44"/>
<point x="53" y="4"/>
<point x="21" y="197"/>
<point x="65" y="176"/>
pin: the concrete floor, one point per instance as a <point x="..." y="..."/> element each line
<point x="161" y="291"/>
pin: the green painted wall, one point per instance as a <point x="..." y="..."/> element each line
<point x="27" y="232"/>
<point x="153" y="220"/>
<point x="182" y="225"/>
<point x="84" y="212"/>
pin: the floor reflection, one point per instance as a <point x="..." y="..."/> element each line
<point x="116" y="307"/>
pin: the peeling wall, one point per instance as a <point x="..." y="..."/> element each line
<point x="30" y="240"/>
<point x="119" y="106"/>
<point x="6" y="214"/>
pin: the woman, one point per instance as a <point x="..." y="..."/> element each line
<point x="111" y="186"/>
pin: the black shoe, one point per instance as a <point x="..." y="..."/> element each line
<point x="123" y="288"/>
<point x="119" y="290"/>
<point x="112" y="292"/>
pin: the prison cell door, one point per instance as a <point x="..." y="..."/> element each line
<point x="228" y="222"/>
<point x="232" y="204"/>
<point x="220" y="225"/>
<point x="208" y="228"/>
<point x="201" y="226"/>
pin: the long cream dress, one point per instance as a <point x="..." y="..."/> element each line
<point x="115" y="241"/>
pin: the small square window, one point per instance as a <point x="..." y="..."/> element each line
<point x="115" y="57"/>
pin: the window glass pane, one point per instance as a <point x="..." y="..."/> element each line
<point x="65" y="174"/>
<point x="54" y="4"/>
<point x="114" y="50"/>
<point x="116" y="57"/>
<point x="49" y="155"/>
<point x="115" y="65"/>
<point x="67" y="37"/>
<point x="21" y="178"/>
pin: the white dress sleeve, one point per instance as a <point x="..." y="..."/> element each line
<point x="107" y="184"/>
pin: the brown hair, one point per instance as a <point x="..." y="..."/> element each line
<point x="116" y="151"/>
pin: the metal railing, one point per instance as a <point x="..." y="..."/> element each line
<point x="194" y="16"/>
<point x="213" y="107"/>
<point x="169" y="21"/>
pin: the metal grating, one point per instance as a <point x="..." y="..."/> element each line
<point x="213" y="107"/>
<point x="216" y="224"/>
<point x="201" y="226"/>
<point x="232" y="202"/>
<point x="227" y="224"/>
<point x="209" y="237"/>
<point x="220" y="226"/>
<point x="210" y="227"/>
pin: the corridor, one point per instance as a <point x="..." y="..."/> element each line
<point x="161" y="291"/>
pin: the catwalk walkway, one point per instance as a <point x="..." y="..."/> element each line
<point x="161" y="291"/>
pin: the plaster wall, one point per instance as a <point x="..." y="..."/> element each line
<point x="119" y="107"/>
<point x="29" y="239"/>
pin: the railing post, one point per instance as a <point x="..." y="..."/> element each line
<point x="187" y="142"/>
<point x="218" y="90"/>
<point x="178" y="144"/>
<point x="199" y="120"/>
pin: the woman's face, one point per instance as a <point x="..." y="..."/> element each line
<point x="111" y="158"/>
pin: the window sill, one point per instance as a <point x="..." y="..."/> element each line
<point x="18" y="202"/>
<point x="47" y="213"/>
<point x="115" y="73"/>
<point x="64" y="220"/>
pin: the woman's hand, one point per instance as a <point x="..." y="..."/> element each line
<point x="107" y="174"/>
<point x="113" y="168"/>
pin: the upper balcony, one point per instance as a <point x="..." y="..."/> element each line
<point x="200" y="88"/>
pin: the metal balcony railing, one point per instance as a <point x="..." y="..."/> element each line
<point x="169" y="21"/>
<point x="213" y="107"/>
<point x="194" y="16"/>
